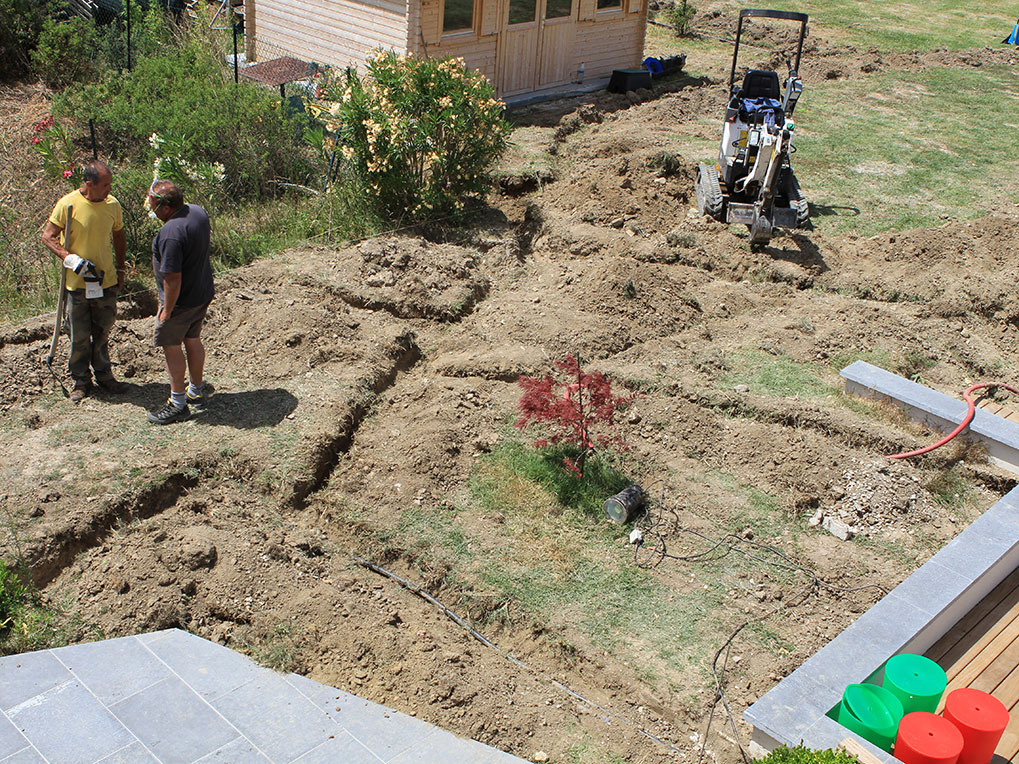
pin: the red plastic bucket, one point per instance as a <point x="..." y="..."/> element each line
<point x="926" y="738"/>
<point x="981" y="718"/>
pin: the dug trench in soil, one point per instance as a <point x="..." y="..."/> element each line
<point x="255" y="548"/>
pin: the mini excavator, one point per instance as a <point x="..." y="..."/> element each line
<point x="753" y="182"/>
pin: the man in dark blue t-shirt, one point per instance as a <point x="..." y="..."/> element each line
<point x="180" y="262"/>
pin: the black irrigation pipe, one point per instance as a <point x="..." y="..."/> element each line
<point x="488" y="643"/>
<point x="729" y="543"/>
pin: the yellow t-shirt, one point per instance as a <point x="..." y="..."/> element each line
<point x="92" y="226"/>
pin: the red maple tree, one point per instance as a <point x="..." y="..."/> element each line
<point x="571" y="406"/>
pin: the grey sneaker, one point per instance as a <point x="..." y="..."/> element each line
<point x="198" y="401"/>
<point x="169" y="413"/>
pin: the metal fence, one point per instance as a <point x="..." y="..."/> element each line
<point x="119" y="19"/>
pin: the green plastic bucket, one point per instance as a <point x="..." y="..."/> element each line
<point x="917" y="682"/>
<point x="872" y="712"/>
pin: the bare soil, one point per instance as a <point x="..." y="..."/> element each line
<point x="354" y="383"/>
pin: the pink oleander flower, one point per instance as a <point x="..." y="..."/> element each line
<point x="68" y="173"/>
<point x="35" y="139"/>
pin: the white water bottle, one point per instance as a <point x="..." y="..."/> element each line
<point x="580" y="74"/>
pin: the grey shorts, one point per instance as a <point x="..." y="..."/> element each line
<point x="184" y="323"/>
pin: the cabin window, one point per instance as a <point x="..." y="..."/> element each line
<point x="457" y="16"/>
<point x="557" y="9"/>
<point x="522" y="11"/>
<point x="610" y="5"/>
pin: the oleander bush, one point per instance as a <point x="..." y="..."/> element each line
<point x="421" y="134"/>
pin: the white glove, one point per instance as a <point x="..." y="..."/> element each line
<point x="80" y="265"/>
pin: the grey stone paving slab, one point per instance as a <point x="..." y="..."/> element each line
<point x="209" y="669"/>
<point x="27" y="756"/>
<point x="29" y="674"/>
<point x="135" y="753"/>
<point x="340" y="748"/>
<point x="441" y="747"/>
<point x="11" y="739"/>
<point x="382" y="730"/>
<point x="68" y="725"/>
<point x="240" y="751"/>
<point x="174" y="723"/>
<point x="174" y="698"/>
<point x="113" y="669"/>
<point x="273" y="715"/>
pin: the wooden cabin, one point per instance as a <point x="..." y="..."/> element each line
<point x="522" y="46"/>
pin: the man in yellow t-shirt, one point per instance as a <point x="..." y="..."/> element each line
<point x="86" y="231"/>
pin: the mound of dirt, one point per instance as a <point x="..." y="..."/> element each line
<point x="358" y="389"/>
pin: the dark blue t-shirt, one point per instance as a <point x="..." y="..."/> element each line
<point x="182" y="246"/>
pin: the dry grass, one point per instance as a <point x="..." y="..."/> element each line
<point x="26" y="199"/>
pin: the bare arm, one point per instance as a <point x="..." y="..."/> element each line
<point x="51" y="238"/>
<point x="120" y="250"/>
<point x="171" y="291"/>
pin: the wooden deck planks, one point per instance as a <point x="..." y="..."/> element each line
<point x="997" y="409"/>
<point x="982" y="651"/>
<point x="977" y="623"/>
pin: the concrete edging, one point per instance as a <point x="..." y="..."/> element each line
<point x="921" y="609"/>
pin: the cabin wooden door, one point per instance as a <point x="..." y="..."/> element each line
<point x="536" y="44"/>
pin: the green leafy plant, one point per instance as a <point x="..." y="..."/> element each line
<point x="678" y="14"/>
<point x="571" y="407"/>
<point x="20" y="26"/>
<point x="803" y="755"/>
<point x="187" y="91"/>
<point x="203" y="181"/>
<point x="13" y="595"/>
<point x="421" y="134"/>
<point x="53" y="144"/>
<point x="66" y="52"/>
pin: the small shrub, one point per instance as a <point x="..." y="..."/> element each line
<point x="803" y="755"/>
<point x="678" y="15"/>
<point x="53" y="144"/>
<point x="13" y="595"/>
<point x="66" y="52"/>
<point x="421" y="134"/>
<point x="173" y="162"/>
<point x="20" y="26"/>
<point x="187" y="91"/>
<point x="571" y="407"/>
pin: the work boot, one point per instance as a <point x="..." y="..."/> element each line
<point x="169" y="413"/>
<point x="112" y="385"/>
<point x="79" y="392"/>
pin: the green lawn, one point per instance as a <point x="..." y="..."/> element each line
<point x="898" y="150"/>
<point x="901" y="26"/>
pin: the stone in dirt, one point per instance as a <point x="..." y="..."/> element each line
<point x="837" y="528"/>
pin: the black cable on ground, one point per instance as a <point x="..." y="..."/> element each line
<point x="660" y="525"/>
<point x="509" y="656"/>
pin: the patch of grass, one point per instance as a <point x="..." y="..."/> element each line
<point x="870" y="161"/>
<point x="915" y="362"/>
<point x="751" y="507"/>
<point x="434" y="534"/>
<point x="13" y="595"/>
<point x="589" y="753"/>
<point x="27" y="624"/>
<point x="948" y="488"/>
<point x="544" y="469"/>
<point x="767" y="374"/>
<point x="277" y="649"/>
<point x="906" y="26"/>
<point x="880" y="358"/>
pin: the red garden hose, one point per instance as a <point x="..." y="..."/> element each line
<point x="970" y="412"/>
